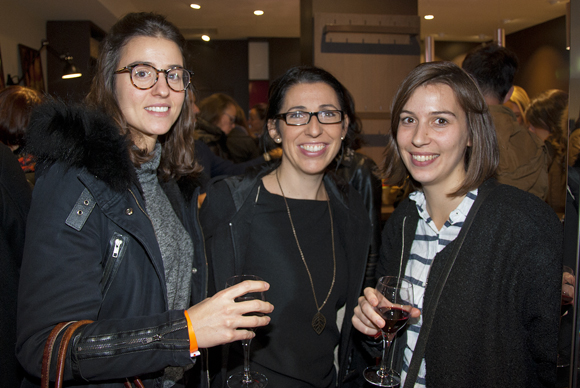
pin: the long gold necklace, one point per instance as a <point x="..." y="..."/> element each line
<point x="319" y="320"/>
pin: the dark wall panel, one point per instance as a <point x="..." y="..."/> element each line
<point x="220" y="66"/>
<point x="544" y="60"/>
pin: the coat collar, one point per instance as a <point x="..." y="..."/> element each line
<point x="79" y="137"/>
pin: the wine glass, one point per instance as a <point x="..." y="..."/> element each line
<point x="395" y="303"/>
<point x="246" y="378"/>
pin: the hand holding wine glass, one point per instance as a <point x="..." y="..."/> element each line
<point x="217" y="320"/>
<point x="395" y="305"/>
<point x="247" y="378"/>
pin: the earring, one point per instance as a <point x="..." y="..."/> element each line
<point x="278" y="139"/>
<point x="342" y="138"/>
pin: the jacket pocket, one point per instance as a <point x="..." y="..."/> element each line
<point x="113" y="258"/>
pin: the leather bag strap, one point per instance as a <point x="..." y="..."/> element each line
<point x="62" y="351"/>
<point x="421" y="344"/>
<point x="47" y="355"/>
<point x="70" y="327"/>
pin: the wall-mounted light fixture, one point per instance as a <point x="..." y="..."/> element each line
<point x="69" y="70"/>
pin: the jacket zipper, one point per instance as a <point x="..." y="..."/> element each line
<point x="117" y="248"/>
<point x="134" y="341"/>
<point x="139" y="205"/>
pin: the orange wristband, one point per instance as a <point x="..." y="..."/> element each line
<point x="193" y="349"/>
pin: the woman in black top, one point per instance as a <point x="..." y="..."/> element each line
<point x="301" y="229"/>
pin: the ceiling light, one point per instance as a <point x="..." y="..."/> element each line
<point x="258" y="12"/>
<point x="205" y="38"/>
<point x="195" y="6"/>
<point x="429" y="17"/>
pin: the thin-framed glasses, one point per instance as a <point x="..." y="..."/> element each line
<point x="302" y="118"/>
<point x="145" y="76"/>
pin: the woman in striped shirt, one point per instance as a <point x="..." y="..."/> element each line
<point x="496" y="322"/>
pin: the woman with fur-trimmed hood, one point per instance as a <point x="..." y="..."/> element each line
<point x="113" y="235"/>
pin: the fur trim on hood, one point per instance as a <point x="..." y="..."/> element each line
<point x="79" y="137"/>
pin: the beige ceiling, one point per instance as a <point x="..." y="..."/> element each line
<point x="457" y="20"/>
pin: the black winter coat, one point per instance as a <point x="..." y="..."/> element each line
<point x="226" y="216"/>
<point x="496" y="323"/>
<point x="91" y="253"/>
<point x="15" y="196"/>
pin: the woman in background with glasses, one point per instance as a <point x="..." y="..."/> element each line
<point x="113" y="235"/>
<point x="301" y="229"/>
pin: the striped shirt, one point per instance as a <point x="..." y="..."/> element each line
<point x="427" y="243"/>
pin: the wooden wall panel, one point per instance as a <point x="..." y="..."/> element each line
<point x="369" y="63"/>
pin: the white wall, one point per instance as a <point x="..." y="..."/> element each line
<point x="19" y="26"/>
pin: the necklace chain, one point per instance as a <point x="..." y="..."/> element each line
<point x="319" y="320"/>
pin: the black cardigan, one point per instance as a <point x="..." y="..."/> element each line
<point x="496" y="323"/>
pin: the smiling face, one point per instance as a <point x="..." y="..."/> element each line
<point x="432" y="138"/>
<point x="150" y="112"/>
<point x="308" y="149"/>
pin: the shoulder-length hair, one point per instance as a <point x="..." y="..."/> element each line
<point x="311" y="74"/>
<point x="481" y="158"/>
<point x="177" y="158"/>
<point x="16" y="103"/>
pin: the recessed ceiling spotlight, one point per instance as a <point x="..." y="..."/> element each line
<point x="205" y="38"/>
<point x="195" y="6"/>
<point x="429" y="17"/>
<point x="258" y="12"/>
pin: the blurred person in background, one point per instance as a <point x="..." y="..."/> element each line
<point x="544" y="118"/>
<point x="518" y="103"/>
<point x="522" y="155"/>
<point x="216" y="126"/>
<point x="16" y="104"/>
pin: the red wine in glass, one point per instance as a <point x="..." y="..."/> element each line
<point x="394" y="317"/>
<point x="395" y="297"/>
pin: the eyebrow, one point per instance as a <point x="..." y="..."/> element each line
<point x="303" y="108"/>
<point x="435" y="113"/>
<point x="151" y="64"/>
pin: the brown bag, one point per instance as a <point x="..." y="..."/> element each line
<point x="70" y="327"/>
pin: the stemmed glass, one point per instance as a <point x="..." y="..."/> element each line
<point x="395" y="303"/>
<point x="246" y="378"/>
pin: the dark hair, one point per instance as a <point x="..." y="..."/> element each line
<point x="494" y="68"/>
<point x="177" y="157"/>
<point x="310" y="74"/>
<point x="212" y="108"/>
<point x="16" y="103"/>
<point x="261" y="108"/>
<point x="545" y="111"/>
<point x="481" y="159"/>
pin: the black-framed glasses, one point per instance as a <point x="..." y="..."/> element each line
<point x="299" y="117"/>
<point x="145" y="76"/>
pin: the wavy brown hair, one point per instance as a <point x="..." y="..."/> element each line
<point x="545" y="111"/>
<point x="177" y="158"/>
<point x="481" y="159"/>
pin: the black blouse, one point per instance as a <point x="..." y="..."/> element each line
<point x="288" y="351"/>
